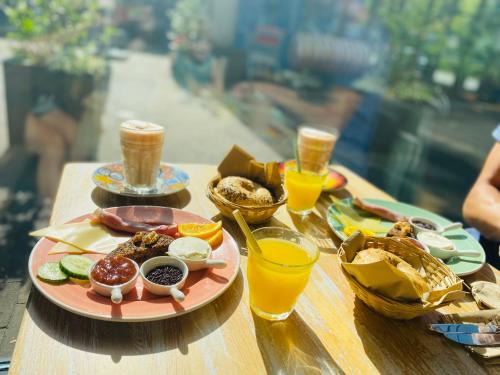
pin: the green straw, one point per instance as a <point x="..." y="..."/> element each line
<point x="297" y="157"/>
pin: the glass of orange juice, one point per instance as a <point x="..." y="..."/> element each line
<point x="304" y="187"/>
<point x="278" y="275"/>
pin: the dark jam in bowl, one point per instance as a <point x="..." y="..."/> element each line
<point x="424" y="225"/>
<point x="165" y="275"/>
<point x="113" y="270"/>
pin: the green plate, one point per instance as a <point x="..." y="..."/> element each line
<point x="463" y="241"/>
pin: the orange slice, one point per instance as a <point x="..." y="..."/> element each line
<point x="199" y="230"/>
<point x="216" y="240"/>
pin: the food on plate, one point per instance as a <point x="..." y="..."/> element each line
<point x="379" y="211"/>
<point x="143" y="246"/>
<point x="348" y="216"/>
<point x="116" y="222"/>
<point x="64" y="248"/>
<point x="113" y="270"/>
<point x="216" y="240"/>
<point x="434" y="240"/>
<point x="51" y="272"/>
<point x="79" y="281"/>
<point x="424" y="224"/>
<point x="76" y="266"/>
<point x="401" y="229"/>
<point x="165" y="275"/>
<point x="199" y="230"/>
<point x="241" y="190"/>
<point x="373" y="255"/>
<point x="85" y="235"/>
<point x="191" y="248"/>
<point x="351" y="229"/>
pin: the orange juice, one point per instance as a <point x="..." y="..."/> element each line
<point x="304" y="188"/>
<point x="278" y="275"/>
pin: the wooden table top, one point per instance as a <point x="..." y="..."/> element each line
<point x="330" y="331"/>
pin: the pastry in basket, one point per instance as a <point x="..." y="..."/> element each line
<point x="241" y="190"/>
<point x="388" y="274"/>
<point x="391" y="287"/>
<point x="143" y="246"/>
<point x="373" y="255"/>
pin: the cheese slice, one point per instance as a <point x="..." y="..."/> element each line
<point x="86" y="236"/>
<point x="64" y="248"/>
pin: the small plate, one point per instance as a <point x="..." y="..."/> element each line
<point x="110" y="177"/>
<point x="461" y="266"/>
<point x="334" y="180"/>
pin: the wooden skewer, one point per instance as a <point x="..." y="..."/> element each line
<point x="246" y="230"/>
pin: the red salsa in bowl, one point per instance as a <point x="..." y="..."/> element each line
<point x="113" y="270"/>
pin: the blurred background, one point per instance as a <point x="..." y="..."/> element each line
<point x="412" y="85"/>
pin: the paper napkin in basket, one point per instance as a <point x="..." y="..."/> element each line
<point x="386" y="279"/>
<point x="238" y="162"/>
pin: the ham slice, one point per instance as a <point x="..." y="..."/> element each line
<point x="379" y="211"/>
<point x="117" y="223"/>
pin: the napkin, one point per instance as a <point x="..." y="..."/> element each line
<point x="238" y="162"/>
<point x="385" y="279"/>
<point x="486" y="294"/>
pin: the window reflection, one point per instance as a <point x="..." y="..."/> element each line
<point x="412" y="85"/>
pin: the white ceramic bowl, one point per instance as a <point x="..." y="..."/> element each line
<point x="439" y="229"/>
<point x="165" y="290"/>
<point x="198" y="264"/>
<point x="116" y="292"/>
<point x="445" y="253"/>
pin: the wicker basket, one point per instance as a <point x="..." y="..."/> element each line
<point x="438" y="276"/>
<point x="252" y="214"/>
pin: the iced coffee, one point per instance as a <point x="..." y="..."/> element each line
<point x="142" y="146"/>
<point x="315" y="147"/>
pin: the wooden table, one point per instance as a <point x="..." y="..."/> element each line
<point x="330" y="330"/>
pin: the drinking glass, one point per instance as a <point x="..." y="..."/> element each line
<point x="304" y="187"/>
<point x="315" y="146"/>
<point x="278" y="275"/>
<point x="142" y="146"/>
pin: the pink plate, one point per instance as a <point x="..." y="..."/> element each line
<point x="201" y="287"/>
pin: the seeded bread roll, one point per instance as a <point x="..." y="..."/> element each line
<point x="241" y="190"/>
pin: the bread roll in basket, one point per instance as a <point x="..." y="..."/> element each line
<point x="444" y="285"/>
<point x="239" y="163"/>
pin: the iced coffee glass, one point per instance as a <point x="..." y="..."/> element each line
<point x="315" y="147"/>
<point x="142" y="146"/>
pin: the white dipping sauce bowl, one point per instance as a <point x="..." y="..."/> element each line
<point x="179" y="245"/>
<point x="116" y="292"/>
<point x="173" y="290"/>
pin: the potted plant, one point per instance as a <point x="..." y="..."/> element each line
<point x="192" y="58"/>
<point x="58" y="55"/>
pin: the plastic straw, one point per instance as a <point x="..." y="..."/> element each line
<point x="297" y="157"/>
<point x="246" y="230"/>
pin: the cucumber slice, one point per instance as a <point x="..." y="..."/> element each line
<point x="79" y="281"/>
<point x="76" y="266"/>
<point x="51" y="272"/>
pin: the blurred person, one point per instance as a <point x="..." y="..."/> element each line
<point x="49" y="133"/>
<point x="481" y="208"/>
